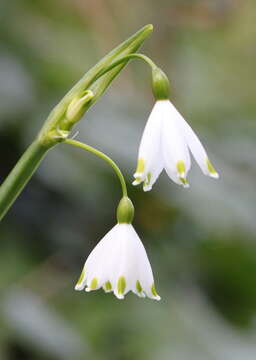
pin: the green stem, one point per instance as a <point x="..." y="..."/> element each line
<point x="102" y="156"/>
<point x="123" y="60"/>
<point x="20" y="175"/>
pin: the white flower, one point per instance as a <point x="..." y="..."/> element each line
<point x="166" y="143"/>
<point x="119" y="263"/>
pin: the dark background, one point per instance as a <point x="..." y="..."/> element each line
<point x="201" y="241"/>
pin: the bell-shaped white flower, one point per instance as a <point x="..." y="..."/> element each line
<point x="166" y="143"/>
<point x="119" y="263"/>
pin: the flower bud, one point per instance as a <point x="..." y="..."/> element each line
<point x="160" y="84"/>
<point x="75" y="109"/>
<point x="125" y="211"/>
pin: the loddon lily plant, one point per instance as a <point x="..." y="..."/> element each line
<point x="119" y="262"/>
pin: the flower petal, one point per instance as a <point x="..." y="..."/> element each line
<point x="195" y="145"/>
<point x="81" y="281"/>
<point x="175" y="151"/>
<point x="154" y="174"/>
<point x="149" y="157"/>
<point x="97" y="263"/>
<point x="141" y="273"/>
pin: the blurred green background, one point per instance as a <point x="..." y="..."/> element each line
<point x="201" y="241"/>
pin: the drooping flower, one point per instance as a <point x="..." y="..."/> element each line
<point x="167" y="141"/>
<point x="119" y="262"/>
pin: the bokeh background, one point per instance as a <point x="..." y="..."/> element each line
<point x="201" y="241"/>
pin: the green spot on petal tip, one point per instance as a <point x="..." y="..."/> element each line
<point x="140" y="166"/>
<point x="81" y="278"/>
<point x="121" y="285"/>
<point x="153" y="291"/>
<point x="211" y="169"/>
<point x="138" y="286"/>
<point x="181" y="168"/>
<point x="184" y="182"/>
<point x="94" y="284"/>
<point x="108" y="286"/>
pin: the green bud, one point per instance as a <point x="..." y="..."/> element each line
<point x="76" y="108"/>
<point x="125" y="211"/>
<point x="160" y="84"/>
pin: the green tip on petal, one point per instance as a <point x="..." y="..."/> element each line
<point x="125" y="211"/>
<point x="149" y="175"/>
<point x="139" y="171"/>
<point x="108" y="286"/>
<point x="181" y="167"/>
<point x="211" y="169"/>
<point x="137" y="180"/>
<point x="138" y="286"/>
<point x="94" y="284"/>
<point x="154" y="293"/>
<point x="184" y="182"/>
<point x="146" y="184"/>
<point x="79" y="284"/>
<point x="121" y="285"/>
<point x="140" y="166"/>
<point x="81" y="277"/>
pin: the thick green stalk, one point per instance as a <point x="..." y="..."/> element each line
<point x="19" y="176"/>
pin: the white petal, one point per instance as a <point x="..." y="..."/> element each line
<point x="81" y="281"/>
<point x="149" y="157"/>
<point x="127" y="265"/>
<point x="195" y="145"/>
<point x="97" y="265"/>
<point x="174" y="147"/>
<point x="135" y="257"/>
<point x="154" y="172"/>
<point x="139" y="269"/>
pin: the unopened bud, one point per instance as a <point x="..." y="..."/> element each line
<point x="75" y="109"/>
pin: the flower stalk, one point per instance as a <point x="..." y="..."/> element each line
<point x="124" y="59"/>
<point x="119" y="262"/>
<point x="104" y="157"/>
